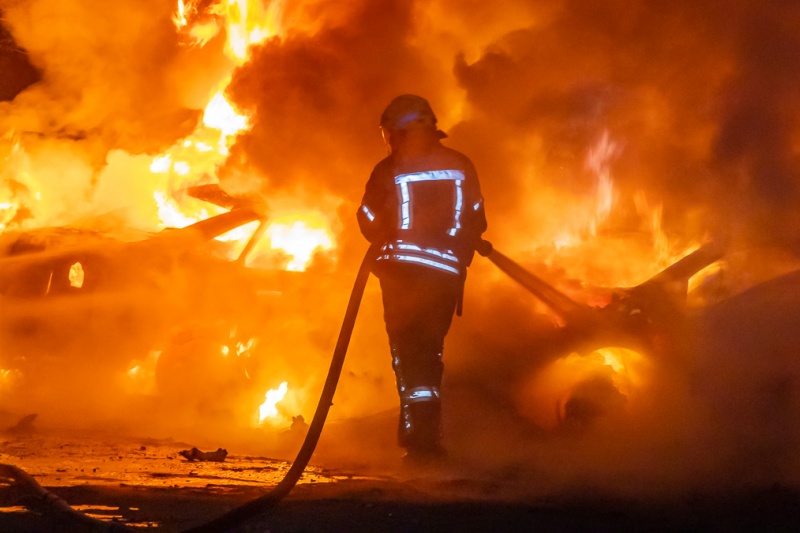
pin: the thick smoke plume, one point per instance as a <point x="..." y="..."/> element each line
<point x="689" y="108"/>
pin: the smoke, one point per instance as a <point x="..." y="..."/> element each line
<point x="756" y="148"/>
<point x="697" y="99"/>
<point x="111" y="73"/>
<point x="700" y="107"/>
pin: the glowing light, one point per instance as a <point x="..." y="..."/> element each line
<point x="181" y="168"/>
<point x="589" y="243"/>
<point x="141" y="376"/>
<point x="194" y="159"/>
<point x="7" y="212"/>
<point x="244" y="347"/>
<point x="268" y="409"/>
<point x="565" y="240"/>
<point x="180" y="16"/>
<point x="76" y="275"/>
<point x="626" y="370"/>
<point x="700" y="277"/>
<point x="299" y="240"/>
<point x="245" y="19"/>
<point x="221" y="115"/>
<point x="169" y="212"/>
<point x="599" y="162"/>
<point x="9" y="378"/>
<point x="612" y="357"/>
<point x="161" y="164"/>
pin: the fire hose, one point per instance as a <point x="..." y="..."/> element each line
<point x="39" y="499"/>
<point x="259" y="505"/>
<point x="552" y="297"/>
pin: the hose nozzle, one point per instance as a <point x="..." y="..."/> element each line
<point x="484" y="247"/>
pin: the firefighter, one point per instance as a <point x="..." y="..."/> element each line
<point x="423" y="211"/>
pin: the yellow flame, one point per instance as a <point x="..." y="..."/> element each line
<point x="299" y="235"/>
<point x="245" y="347"/>
<point x="599" y="162"/>
<point x="141" y="376"/>
<point x="179" y="18"/>
<point x="195" y="159"/>
<point x="172" y="215"/>
<point x="220" y="115"/>
<point x="9" y="378"/>
<point x="591" y="242"/>
<point x="202" y="32"/>
<point x="268" y="409"/>
<point x="161" y="164"/>
<point x="244" y="25"/>
<point x="76" y="275"/>
<point x="7" y="212"/>
<point x="619" y="359"/>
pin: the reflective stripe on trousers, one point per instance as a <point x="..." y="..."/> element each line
<point x="406" y="252"/>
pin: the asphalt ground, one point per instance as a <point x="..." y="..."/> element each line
<point x="147" y="485"/>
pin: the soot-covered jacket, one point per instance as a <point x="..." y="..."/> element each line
<point x="424" y="210"/>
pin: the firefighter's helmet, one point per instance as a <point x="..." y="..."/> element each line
<point x="407" y="111"/>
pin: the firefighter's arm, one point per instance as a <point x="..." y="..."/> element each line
<point x="475" y="212"/>
<point x="369" y="212"/>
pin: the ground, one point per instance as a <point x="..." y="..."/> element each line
<point x="146" y="483"/>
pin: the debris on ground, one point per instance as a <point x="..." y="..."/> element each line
<point x="194" y="454"/>
<point x="23" y="426"/>
<point x="299" y="425"/>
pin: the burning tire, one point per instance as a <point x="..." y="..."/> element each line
<point x="580" y="390"/>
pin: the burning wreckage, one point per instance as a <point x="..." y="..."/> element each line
<point x="70" y="293"/>
<point x="89" y="296"/>
<point x="645" y="321"/>
<point x="79" y="302"/>
<point x="80" y="307"/>
<point x="53" y="276"/>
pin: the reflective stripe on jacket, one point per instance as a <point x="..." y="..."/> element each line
<point x="427" y="212"/>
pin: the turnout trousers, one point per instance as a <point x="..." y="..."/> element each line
<point x="418" y="305"/>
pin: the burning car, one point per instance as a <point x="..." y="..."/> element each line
<point x="602" y="361"/>
<point x="85" y="309"/>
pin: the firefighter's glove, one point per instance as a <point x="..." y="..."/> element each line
<point x="484" y="247"/>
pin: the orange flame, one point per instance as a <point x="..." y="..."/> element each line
<point x="544" y="398"/>
<point x="593" y="256"/>
<point x="194" y="160"/>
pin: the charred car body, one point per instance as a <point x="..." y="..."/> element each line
<point x="81" y="308"/>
